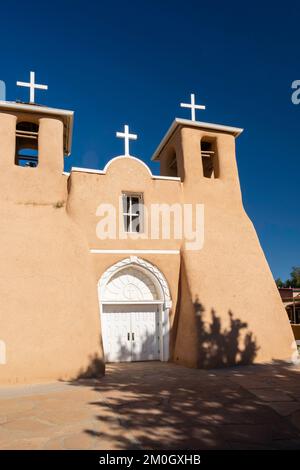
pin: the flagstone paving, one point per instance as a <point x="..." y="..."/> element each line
<point x="156" y="405"/>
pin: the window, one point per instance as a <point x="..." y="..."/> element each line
<point x="133" y="212"/>
<point x="209" y="157"/>
<point x="27" y="144"/>
<point x="293" y="312"/>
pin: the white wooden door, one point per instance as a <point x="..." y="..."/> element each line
<point x="115" y="324"/>
<point x="130" y="332"/>
<point x="144" y="330"/>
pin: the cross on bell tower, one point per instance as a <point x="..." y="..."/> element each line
<point x="193" y="106"/>
<point x="32" y="86"/>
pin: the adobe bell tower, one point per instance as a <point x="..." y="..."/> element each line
<point x="34" y="141"/>
<point x="230" y="311"/>
<point x="49" y="320"/>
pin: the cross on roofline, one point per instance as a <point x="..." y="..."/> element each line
<point x="193" y="106"/>
<point x="126" y="136"/>
<point x="33" y="86"/>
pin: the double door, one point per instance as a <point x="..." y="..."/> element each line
<point x="130" y="332"/>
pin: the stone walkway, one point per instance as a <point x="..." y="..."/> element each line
<point x="157" y="406"/>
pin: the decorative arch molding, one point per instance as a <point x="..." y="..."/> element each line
<point x="149" y="269"/>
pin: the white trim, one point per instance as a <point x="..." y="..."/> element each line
<point x="130" y="302"/>
<point x="164" y="304"/>
<point x="121" y="157"/>
<point x="171" y="178"/>
<point x="236" y="131"/>
<point x="34" y="107"/>
<point x="87" y="170"/>
<point x="128" y="252"/>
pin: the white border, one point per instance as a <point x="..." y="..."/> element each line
<point x="132" y="252"/>
<point x="87" y="170"/>
<point x="121" y="157"/>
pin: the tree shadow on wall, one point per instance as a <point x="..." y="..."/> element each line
<point x="222" y="347"/>
<point x="95" y="369"/>
<point x="217" y="346"/>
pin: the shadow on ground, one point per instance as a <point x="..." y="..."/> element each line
<point x="154" y="405"/>
<point x="165" y="406"/>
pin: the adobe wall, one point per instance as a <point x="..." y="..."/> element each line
<point x="226" y="308"/>
<point x="124" y="174"/>
<point x="88" y="190"/>
<point x="48" y="302"/>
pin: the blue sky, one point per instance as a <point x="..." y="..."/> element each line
<point x="133" y="62"/>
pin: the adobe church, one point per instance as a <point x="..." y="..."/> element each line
<point x="71" y="300"/>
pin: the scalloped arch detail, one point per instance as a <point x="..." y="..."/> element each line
<point x="134" y="279"/>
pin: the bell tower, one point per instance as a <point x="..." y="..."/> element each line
<point x="34" y="141"/>
<point x="49" y="320"/>
<point x="229" y="308"/>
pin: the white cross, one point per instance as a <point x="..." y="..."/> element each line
<point x="126" y="136"/>
<point x="32" y="86"/>
<point x="192" y="106"/>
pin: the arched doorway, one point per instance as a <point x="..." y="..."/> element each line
<point x="134" y="306"/>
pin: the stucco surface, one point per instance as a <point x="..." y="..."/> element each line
<point x="230" y="308"/>
<point x="225" y="306"/>
<point x="49" y="308"/>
